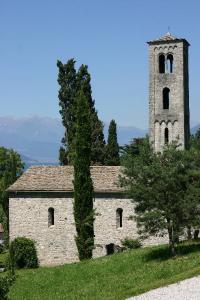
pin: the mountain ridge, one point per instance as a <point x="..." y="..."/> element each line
<point x="38" y="139"/>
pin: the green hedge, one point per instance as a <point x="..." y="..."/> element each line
<point x="5" y="283"/>
<point x="23" y="253"/>
<point x="131" y="243"/>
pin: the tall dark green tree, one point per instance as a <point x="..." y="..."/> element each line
<point x="70" y="83"/>
<point x="97" y="136"/>
<point x="98" y="143"/>
<point x="11" y="167"/>
<point x="66" y="95"/>
<point x="112" y="147"/>
<point x="83" y="188"/>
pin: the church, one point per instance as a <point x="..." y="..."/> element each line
<point x="41" y="200"/>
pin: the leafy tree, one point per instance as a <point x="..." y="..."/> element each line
<point x="83" y="188"/>
<point x="165" y="190"/>
<point x="195" y="140"/>
<point x="133" y="148"/>
<point x="112" y="147"/>
<point x="71" y="82"/>
<point x="11" y="168"/>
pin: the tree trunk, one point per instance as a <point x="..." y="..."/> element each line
<point x="189" y="233"/>
<point x="196" y="233"/>
<point x="172" y="237"/>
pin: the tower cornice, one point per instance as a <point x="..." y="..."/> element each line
<point x="166" y="39"/>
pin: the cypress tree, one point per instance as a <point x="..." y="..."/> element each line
<point x="70" y="83"/>
<point x="112" y="147"/>
<point x="98" y="142"/>
<point x="66" y="95"/>
<point x="83" y="188"/>
<point x="97" y="136"/>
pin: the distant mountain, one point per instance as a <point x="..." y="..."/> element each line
<point x="194" y="129"/>
<point x="37" y="139"/>
<point x="28" y="162"/>
<point x="126" y="133"/>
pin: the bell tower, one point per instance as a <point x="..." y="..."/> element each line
<point x="168" y="92"/>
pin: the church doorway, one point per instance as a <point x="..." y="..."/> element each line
<point x="110" y="249"/>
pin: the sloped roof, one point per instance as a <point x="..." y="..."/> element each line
<point x="60" y="179"/>
<point x="168" y="37"/>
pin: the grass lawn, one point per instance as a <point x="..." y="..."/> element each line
<point x="112" y="277"/>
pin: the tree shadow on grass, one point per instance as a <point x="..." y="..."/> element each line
<point x="183" y="248"/>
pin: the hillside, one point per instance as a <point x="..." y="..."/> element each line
<point x="113" y="277"/>
<point x="38" y="138"/>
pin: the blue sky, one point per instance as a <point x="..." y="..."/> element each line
<point x="108" y="35"/>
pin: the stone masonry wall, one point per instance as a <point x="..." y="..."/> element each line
<point x="176" y="118"/>
<point x="29" y="218"/>
<point x="56" y="244"/>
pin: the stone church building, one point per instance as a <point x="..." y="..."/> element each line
<point x="41" y="200"/>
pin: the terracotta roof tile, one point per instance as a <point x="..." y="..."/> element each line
<point x="60" y="178"/>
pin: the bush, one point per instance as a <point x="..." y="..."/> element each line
<point x="5" y="283"/>
<point x="131" y="243"/>
<point x="1" y="248"/>
<point x="23" y="253"/>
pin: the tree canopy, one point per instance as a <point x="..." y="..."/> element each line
<point x="112" y="147"/>
<point x="71" y="82"/>
<point x="11" y="167"/>
<point x="165" y="188"/>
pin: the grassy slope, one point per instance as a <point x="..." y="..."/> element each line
<point x="113" y="277"/>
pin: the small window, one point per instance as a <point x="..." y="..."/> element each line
<point x="162" y="63"/>
<point x="50" y="216"/>
<point x="166" y="136"/>
<point x="166" y="98"/>
<point x="119" y="216"/>
<point x="169" y="63"/>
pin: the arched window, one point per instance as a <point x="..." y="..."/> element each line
<point x="166" y="98"/>
<point x="119" y="216"/>
<point x="161" y="63"/>
<point x="50" y="216"/>
<point x="166" y="136"/>
<point x="169" y="63"/>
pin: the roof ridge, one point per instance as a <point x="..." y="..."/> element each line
<point x="60" y="178"/>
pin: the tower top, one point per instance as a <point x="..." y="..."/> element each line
<point x="167" y="38"/>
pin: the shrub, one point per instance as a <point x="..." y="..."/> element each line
<point x="23" y="253"/>
<point x="5" y="283"/>
<point x="131" y="243"/>
<point x="1" y="248"/>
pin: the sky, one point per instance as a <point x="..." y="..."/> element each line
<point x="107" y="35"/>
